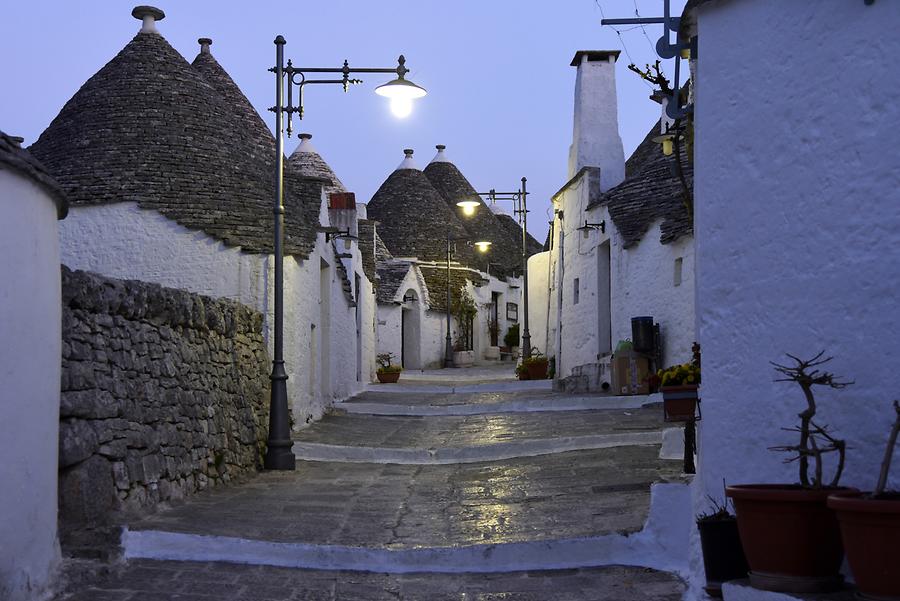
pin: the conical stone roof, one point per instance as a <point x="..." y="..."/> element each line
<point x="307" y="161"/>
<point x="150" y="128"/>
<point x="414" y="218"/>
<point x="505" y="251"/>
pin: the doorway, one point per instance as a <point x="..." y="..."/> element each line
<point x="410" y="331"/>
<point x="604" y="327"/>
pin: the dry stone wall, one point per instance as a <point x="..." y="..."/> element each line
<point x="164" y="393"/>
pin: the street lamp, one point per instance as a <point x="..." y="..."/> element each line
<point x="278" y="446"/>
<point x="520" y="208"/>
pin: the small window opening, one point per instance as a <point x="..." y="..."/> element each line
<point x="575" y="292"/>
<point x="677" y="277"/>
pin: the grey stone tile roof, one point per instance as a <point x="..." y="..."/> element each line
<point x="414" y="218"/>
<point x="381" y="250"/>
<point x="483" y="225"/>
<point x="391" y="274"/>
<point x="649" y="192"/>
<point x="148" y="127"/>
<point x="306" y="160"/>
<point x="367" y="234"/>
<point x="14" y="157"/>
<point x="435" y="277"/>
<point x="513" y="232"/>
<point x="346" y="286"/>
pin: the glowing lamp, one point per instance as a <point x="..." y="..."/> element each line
<point x="468" y="206"/>
<point x="482" y="246"/>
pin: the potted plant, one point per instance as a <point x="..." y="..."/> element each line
<point x="535" y="365"/>
<point x="870" y="530"/>
<point x="387" y="372"/>
<point x="790" y="537"/>
<point x="522" y="371"/>
<point x="679" y="385"/>
<point x="461" y="356"/>
<point x="723" y="556"/>
<point x="511" y="339"/>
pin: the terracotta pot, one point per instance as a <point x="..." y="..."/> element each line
<point x="870" y="529"/>
<point x="523" y="375"/>
<point x="388" y="377"/>
<point x="679" y="402"/>
<point x="537" y="370"/>
<point x="723" y="556"/>
<point x="790" y="537"/>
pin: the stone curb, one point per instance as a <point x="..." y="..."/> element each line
<point x="519" y="406"/>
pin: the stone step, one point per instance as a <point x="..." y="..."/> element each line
<point x="171" y="580"/>
<point x="565" y="510"/>
<point x="473" y="438"/>
<point x="426" y="404"/>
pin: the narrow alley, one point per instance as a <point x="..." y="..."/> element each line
<point x="462" y="484"/>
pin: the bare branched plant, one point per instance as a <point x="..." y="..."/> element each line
<point x="815" y="440"/>
<point x="654" y="75"/>
<point x="888" y="453"/>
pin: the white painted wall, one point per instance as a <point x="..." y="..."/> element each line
<point x="30" y="351"/>
<point x="538" y="307"/>
<point x="124" y="241"/>
<point x="643" y="284"/>
<point x="797" y="228"/>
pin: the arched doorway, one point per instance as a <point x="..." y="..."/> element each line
<point x="410" y="331"/>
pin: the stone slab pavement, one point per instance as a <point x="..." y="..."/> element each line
<point x="148" y="580"/>
<point x="564" y="495"/>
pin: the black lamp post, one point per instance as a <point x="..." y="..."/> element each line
<point x="401" y="92"/>
<point x="520" y="208"/>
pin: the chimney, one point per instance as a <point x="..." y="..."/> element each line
<point x="205" y="43"/>
<point x="440" y="157"/>
<point x="595" y="132"/>
<point x="148" y="15"/>
<point x="408" y="162"/>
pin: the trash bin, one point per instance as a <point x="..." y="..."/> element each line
<point x="642" y="334"/>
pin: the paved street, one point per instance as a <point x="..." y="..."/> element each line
<point x="450" y="499"/>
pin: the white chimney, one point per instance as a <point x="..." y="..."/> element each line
<point x="148" y="16"/>
<point x="595" y="132"/>
<point x="441" y="156"/>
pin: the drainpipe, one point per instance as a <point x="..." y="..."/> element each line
<point x="559" y="295"/>
<point x="549" y="288"/>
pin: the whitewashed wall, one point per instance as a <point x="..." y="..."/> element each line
<point x="797" y="227"/>
<point x="643" y="283"/>
<point x="538" y="305"/>
<point x="30" y="351"/>
<point x="124" y="241"/>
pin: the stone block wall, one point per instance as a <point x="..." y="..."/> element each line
<point x="164" y="393"/>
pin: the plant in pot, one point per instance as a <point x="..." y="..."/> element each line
<point x="462" y="357"/>
<point x="679" y="385"/>
<point x="535" y="365"/>
<point x="387" y="372"/>
<point x="511" y="339"/>
<point x="870" y="529"/>
<point x="789" y="535"/>
<point x="522" y="371"/>
<point x="723" y="556"/>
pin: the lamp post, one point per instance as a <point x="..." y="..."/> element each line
<point x="482" y="246"/>
<point x="520" y="209"/>
<point x="401" y="92"/>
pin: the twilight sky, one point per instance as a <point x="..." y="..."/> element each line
<point x="500" y="88"/>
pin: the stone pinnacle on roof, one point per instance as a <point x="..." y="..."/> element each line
<point x="205" y="43"/>
<point x="441" y="156"/>
<point x="408" y="162"/>
<point x="307" y="161"/>
<point x="148" y="15"/>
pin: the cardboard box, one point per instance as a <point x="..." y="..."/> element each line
<point x="630" y="373"/>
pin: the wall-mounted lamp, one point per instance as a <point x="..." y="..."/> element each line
<point x="587" y="227"/>
<point x="410" y="297"/>
<point x="331" y="233"/>
<point x="483" y="246"/>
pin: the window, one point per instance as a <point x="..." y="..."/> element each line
<point x="677" y="277"/>
<point x="575" y="292"/>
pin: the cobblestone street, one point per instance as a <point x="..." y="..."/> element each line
<point x="423" y="490"/>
